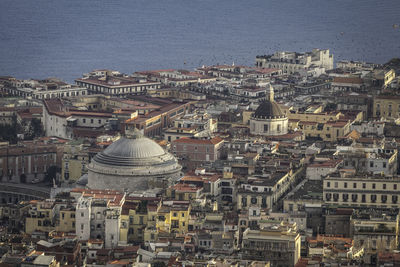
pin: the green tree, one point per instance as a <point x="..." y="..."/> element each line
<point x="8" y="132"/>
<point x="51" y="174"/>
<point x="35" y="129"/>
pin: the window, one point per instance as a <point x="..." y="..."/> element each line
<point x="336" y="184"/>
<point x="364" y="185"/>
<point x="345" y="197"/>
<point x="328" y="196"/>
<point x="290" y="207"/>
<point x="395" y="186"/>
<point x="183" y="214"/>
<point x="354" y="197"/>
<point x="265" y="127"/>
<point x="383" y="198"/>
<point x="253" y="200"/>
<point x="384" y="186"/>
<point x="263" y="202"/>
<point x="394" y="199"/>
<point x="244" y="201"/>
<point x="354" y="185"/>
<point x="373" y="186"/>
<point x="91" y="120"/>
<point x="373" y="198"/>
<point x="335" y="197"/>
<point x="384" y="164"/>
<point x="345" y="185"/>
<point x="82" y="226"/>
<point x="363" y="198"/>
<point x="84" y="120"/>
<point x="371" y="164"/>
<point x="99" y="121"/>
<point x="328" y="184"/>
<point x="82" y="214"/>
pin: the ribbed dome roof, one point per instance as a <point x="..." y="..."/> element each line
<point x="268" y="110"/>
<point x="130" y="151"/>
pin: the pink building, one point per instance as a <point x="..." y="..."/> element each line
<point x="197" y="150"/>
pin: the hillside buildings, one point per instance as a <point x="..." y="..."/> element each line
<point x="287" y="163"/>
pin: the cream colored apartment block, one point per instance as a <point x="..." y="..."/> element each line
<point x="369" y="191"/>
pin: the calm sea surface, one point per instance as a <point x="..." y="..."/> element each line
<point x="65" y="38"/>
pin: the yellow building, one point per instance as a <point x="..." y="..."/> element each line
<point x="329" y="131"/>
<point x="327" y="126"/>
<point x="173" y="216"/>
<point x="48" y="215"/>
<point x="41" y="217"/>
<point x="138" y="219"/>
<point x="384" y="76"/>
<point x="184" y="192"/>
<point x="66" y="220"/>
<point x="387" y="107"/>
<point x="314" y="117"/>
<point x="74" y="161"/>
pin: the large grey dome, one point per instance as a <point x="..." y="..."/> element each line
<point x="129" y="151"/>
<point x="132" y="163"/>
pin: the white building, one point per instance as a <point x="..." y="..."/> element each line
<point x="192" y="125"/>
<point x="113" y="83"/>
<point x="369" y="127"/>
<point x="291" y="62"/>
<point x="98" y="215"/>
<point x="60" y="121"/>
<point x="318" y="170"/>
<point x="377" y="159"/>
<point x="44" y="89"/>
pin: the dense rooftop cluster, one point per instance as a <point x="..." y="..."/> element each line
<point x="290" y="162"/>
